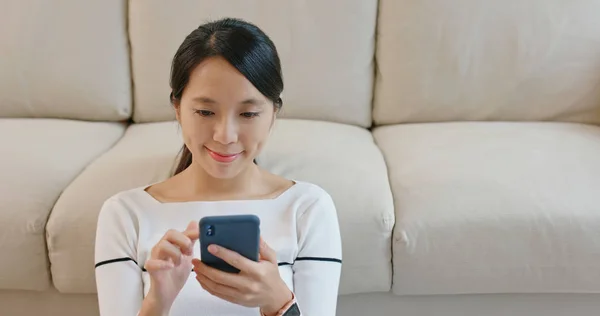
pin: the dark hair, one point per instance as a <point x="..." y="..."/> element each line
<point x="245" y="46"/>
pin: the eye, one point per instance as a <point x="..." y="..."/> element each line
<point x="249" y="114"/>
<point x="204" y="112"/>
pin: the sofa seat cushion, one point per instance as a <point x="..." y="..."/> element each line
<point x="494" y="207"/>
<point x="40" y="157"/>
<point x="144" y="155"/>
<point x="343" y="159"/>
<point x="347" y="163"/>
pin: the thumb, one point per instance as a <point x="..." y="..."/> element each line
<point x="266" y="252"/>
<point x="192" y="231"/>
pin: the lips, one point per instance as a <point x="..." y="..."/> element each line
<point x="222" y="157"/>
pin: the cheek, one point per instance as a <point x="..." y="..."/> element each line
<point x="254" y="135"/>
<point x="194" y="131"/>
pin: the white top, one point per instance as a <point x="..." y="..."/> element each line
<point x="301" y="225"/>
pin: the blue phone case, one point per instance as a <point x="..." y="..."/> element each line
<point x="239" y="233"/>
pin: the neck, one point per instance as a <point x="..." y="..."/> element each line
<point x="203" y="184"/>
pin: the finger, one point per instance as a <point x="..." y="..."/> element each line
<point x="231" y="299"/>
<point x="165" y="250"/>
<point x="196" y="261"/>
<point x="192" y="231"/>
<point x="153" y="265"/>
<point x="231" y="257"/>
<point x="231" y="280"/>
<point x="180" y="240"/>
<point x="215" y="288"/>
<point x="266" y="252"/>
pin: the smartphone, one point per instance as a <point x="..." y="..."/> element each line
<point x="239" y="233"/>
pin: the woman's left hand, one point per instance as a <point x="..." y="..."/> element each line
<point x="258" y="284"/>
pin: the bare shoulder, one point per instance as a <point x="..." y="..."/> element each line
<point x="165" y="190"/>
<point x="277" y="184"/>
<point x="309" y="192"/>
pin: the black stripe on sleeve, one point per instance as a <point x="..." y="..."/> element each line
<point x="101" y="263"/>
<point x="310" y="259"/>
<point x="318" y="259"/>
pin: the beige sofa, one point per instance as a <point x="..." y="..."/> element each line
<point x="459" y="140"/>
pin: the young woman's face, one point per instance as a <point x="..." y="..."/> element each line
<point x="224" y="119"/>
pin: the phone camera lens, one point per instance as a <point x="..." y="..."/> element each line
<point x="210" y="230"/>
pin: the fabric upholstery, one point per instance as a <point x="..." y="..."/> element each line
<point x="64" y="59"/>
<point x="509" y="304"/>
<point x="469" y="60"/>
<point x="326" y="50"/>
<point x="146" y="154"/>
<point x="343" y="160"/>
<point x="380" y="304"/>
<point x="40" y="157"/>
<point x="494" y="207"/>
<point x="50" y="302"/>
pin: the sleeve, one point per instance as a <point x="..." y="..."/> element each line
<point x="318" y="265"/>
<point x="118" y="276"/>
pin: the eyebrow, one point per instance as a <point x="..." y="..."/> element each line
<point x="207" y="100"/>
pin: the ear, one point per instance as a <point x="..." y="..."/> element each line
<point x="177" y="107"/>
<point x="273" y="120"/>
<point x="177" y="113"/>
<point x="276" y="111"/>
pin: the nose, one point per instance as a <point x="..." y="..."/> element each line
<point x="225" y="131"/>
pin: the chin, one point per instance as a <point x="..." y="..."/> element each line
<point x="224" y="171"/>
<point x="217" y="173"/>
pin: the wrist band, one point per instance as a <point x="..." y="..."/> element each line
<point x="289" y="309"/>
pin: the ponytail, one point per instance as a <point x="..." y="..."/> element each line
<point x="185" y="160"/>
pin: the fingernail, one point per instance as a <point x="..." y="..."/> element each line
<point x="213" y="248"/>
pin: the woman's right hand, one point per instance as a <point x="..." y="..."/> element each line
<point x="170" y="265"/>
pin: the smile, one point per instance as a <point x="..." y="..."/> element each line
<point x="222" y="157"/>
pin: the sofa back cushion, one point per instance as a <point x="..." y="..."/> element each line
<point x="326" y="50"/>
<point x="64" y="59"/>
<point x="497" y="60"/>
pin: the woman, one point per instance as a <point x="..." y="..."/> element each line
<point x="226" y="86"/>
